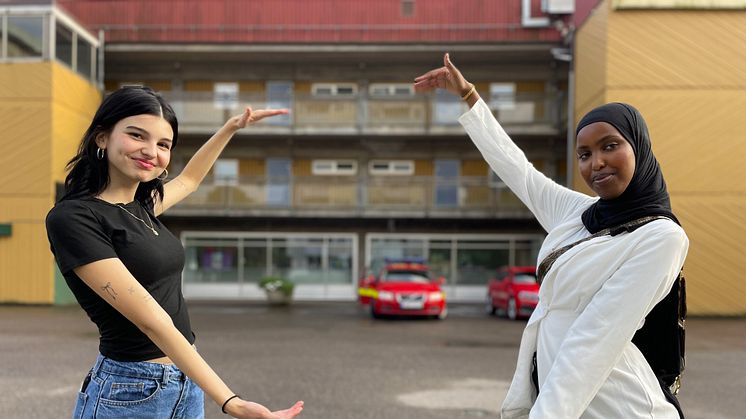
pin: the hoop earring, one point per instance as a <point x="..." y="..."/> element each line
<point x="163" y="175"/>
<point x="100" y="153"/>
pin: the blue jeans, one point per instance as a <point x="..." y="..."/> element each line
<point x="115" y="389"/>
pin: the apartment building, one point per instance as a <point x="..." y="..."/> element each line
<point x="362" y="168"/>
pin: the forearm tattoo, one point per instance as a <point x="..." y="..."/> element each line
<point x="109" y="290"/>
<point x="131" y="290"/>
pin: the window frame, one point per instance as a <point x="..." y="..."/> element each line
<point x="334" y="89"/>
<point x="334" y="170"/>
<point x="390" y="90"/>
<point x="4" y="28"/>
<point x="390" y="171"/>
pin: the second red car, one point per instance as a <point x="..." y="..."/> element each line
<point x="513" y="292"/>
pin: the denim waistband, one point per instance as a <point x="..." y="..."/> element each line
<point x="141" y="369"/>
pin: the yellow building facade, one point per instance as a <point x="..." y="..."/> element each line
<point x="45" y="106"/>
<point x="683" y="65"/>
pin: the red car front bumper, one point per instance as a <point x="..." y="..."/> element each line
<point x="392" y="308"/>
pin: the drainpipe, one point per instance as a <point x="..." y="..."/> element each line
<point x="529" y="21"/>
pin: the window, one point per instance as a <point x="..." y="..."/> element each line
<point x="391" y="167"/>
<point x="85" y="59"/>
<point x="64" y="44"/>
<point x="279" y="95"/>
<point x="225" y="172"/>
<point x="447" y="108"/>
<point x="334" y="167"/>
<point x="334" y="89"/>
<point x="493" y="180"/>
<point x="502" y="96"/>
<point x="391" y="90"/>
<point x="279" y="172"/>
<point x="407" y="8"/>
<point x="447" y="183"/>
<point x="25" y="36"/>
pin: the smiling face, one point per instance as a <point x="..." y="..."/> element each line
<point x="138" y="148"/>
<point x="605" y="159"/>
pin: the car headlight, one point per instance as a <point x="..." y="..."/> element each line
<point x="528" y="296"/>
<point x="385" y="295"/>
<point x="435" y="296"/>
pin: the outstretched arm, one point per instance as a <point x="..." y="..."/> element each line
<point x="548" y="201"/>
<point x="199" y="165"/>
<point x="111" y="280"/>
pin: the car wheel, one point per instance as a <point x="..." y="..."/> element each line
<point x="490" y="308"/>
<point x="373" y="312"/>
<point x="443" y="314"/>
<point x="512" y="309"/>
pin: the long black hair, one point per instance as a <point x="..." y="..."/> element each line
<point x="89" y="176"/>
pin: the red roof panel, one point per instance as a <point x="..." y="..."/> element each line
<point x="308" y="21"/>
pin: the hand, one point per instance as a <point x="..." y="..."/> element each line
<point x="447" y="77"/>
<point x="250" y="116"/>
<point x="242" y="409"/>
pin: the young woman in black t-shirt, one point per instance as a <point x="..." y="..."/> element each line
<point x="124" y="266"/>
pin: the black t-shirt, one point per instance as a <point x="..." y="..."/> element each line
<point x="82" y="231"/>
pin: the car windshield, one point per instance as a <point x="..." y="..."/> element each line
<point x="418" y="277"/>
<point x="524" y="279"/>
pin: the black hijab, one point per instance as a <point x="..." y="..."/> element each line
<point x="646" y="194"/>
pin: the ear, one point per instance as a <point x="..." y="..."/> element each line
<point x="101" y="139"/>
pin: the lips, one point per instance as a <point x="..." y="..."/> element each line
<point x="602" y="177"/>
<point x="144" y="164"/>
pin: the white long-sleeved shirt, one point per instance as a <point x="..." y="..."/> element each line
<point x="592" y="300"/>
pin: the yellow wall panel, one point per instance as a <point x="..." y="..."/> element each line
<point x="302" y="167"/>
<point x="71" y="115"/>
<point x="26" y="265"/>
<point x="251" y="167"/>
<point x="25" y="159"/>
<point x="677" y="49"/>
<point x="699" y="136"/>
<point x="28" y="81"/>
<point x="473" y="168"/>
<point x="681" y="4"/>
<point x="715" y="265"/>
<point x="590" y="61"/>
<point x="424" y="168"/>
<point x="251" y="86"/>
<point x="303" y="87"/>
<point x="199" y="85"/>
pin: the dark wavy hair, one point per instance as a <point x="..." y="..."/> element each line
<point x="89" y="176"/>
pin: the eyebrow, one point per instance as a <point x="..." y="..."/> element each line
<point x="147" y="133"/>
<point x="600" y="140"/>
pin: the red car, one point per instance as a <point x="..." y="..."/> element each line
<point x="403" y="288"/>
<point x="514" y="292"/>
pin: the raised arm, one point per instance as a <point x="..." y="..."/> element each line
<point x="548" y="201"/>
<point x="111" y="280"/>
<point x="199" y="165"/>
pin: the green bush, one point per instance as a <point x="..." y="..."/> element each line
<point x="271" y="283"/>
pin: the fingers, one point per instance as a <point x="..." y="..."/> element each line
<point x="438" y="72"/>
<point x="291" y="412"/>
<point x="447" y="62"/>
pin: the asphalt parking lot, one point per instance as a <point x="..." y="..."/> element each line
<point x="343" y="364"/>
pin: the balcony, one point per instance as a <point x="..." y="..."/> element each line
<point x="346" y="196"/>
<point x="531" y="114"/>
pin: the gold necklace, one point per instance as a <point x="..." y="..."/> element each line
<point x="151" y="226"/>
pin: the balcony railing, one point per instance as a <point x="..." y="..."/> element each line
<point x="421" y="114"/>
<point x="351" y="196"/>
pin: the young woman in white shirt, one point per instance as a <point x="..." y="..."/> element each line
<point x="596" y="295"/>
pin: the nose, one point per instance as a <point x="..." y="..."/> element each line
<point x="149" y="150"/>
<point x="597" y="162"/>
